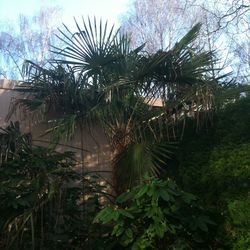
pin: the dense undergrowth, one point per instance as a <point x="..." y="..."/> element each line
<point x="214" y="164"/>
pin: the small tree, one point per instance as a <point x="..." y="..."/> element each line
<point x="104" y="80"/>
<point x="156" y="215"/>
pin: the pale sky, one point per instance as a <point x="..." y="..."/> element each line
<point x="106" y="9"/>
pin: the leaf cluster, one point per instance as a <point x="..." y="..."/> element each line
<point x="44" y="202"/>
<point x="156" y="215"/>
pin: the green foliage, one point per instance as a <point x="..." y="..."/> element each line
<point x="44" y="203"/>
<point x="229" y="167"/>
<point x="157" y="215"/>
<point x="12" y="141"/>
<point x="215" y="164"/>
<point x="138" y="159"/>
<point x="27" y="184"/>
<point x="232" y="123"/>
<point x="238" y="223"/>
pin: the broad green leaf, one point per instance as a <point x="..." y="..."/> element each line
<point x="164" y="194"/>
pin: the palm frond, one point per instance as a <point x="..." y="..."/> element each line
<point x="12" y="142"/>
<point x="92" y="47"/>
<point x="188" y="38"/>
<point x="138" y="159"/>
<point x="62" y="128"/>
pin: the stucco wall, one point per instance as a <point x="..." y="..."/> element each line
<point x="5" y="98"/>
<point x="97" y="153"/>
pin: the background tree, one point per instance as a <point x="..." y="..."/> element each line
<point x="225" y="28"/>
<point x="29" y="39"/>
<point x="158" y="23"/>
<point x="228" y="22"/>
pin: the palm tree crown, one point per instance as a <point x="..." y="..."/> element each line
<point x="102" y="78"/>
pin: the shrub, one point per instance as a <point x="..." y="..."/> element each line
<point x="157" y="215"/>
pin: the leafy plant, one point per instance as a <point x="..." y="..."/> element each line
<point x="12" y="141"/>
<point x="218" y="160"/>
<point x="42" y="203"/>
<point x="28" y="183"/>
<point x="157" y="215"/>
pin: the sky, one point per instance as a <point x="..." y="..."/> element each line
<point x="106" y="9"/>
<point x="10" y="11"/>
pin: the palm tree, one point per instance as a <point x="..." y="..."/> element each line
<point x="103" y="79"/>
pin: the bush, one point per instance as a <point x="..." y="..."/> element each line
<point x="215" y="165"/>
<point x="44" y="203"/>
<point x="157" y="215"/>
